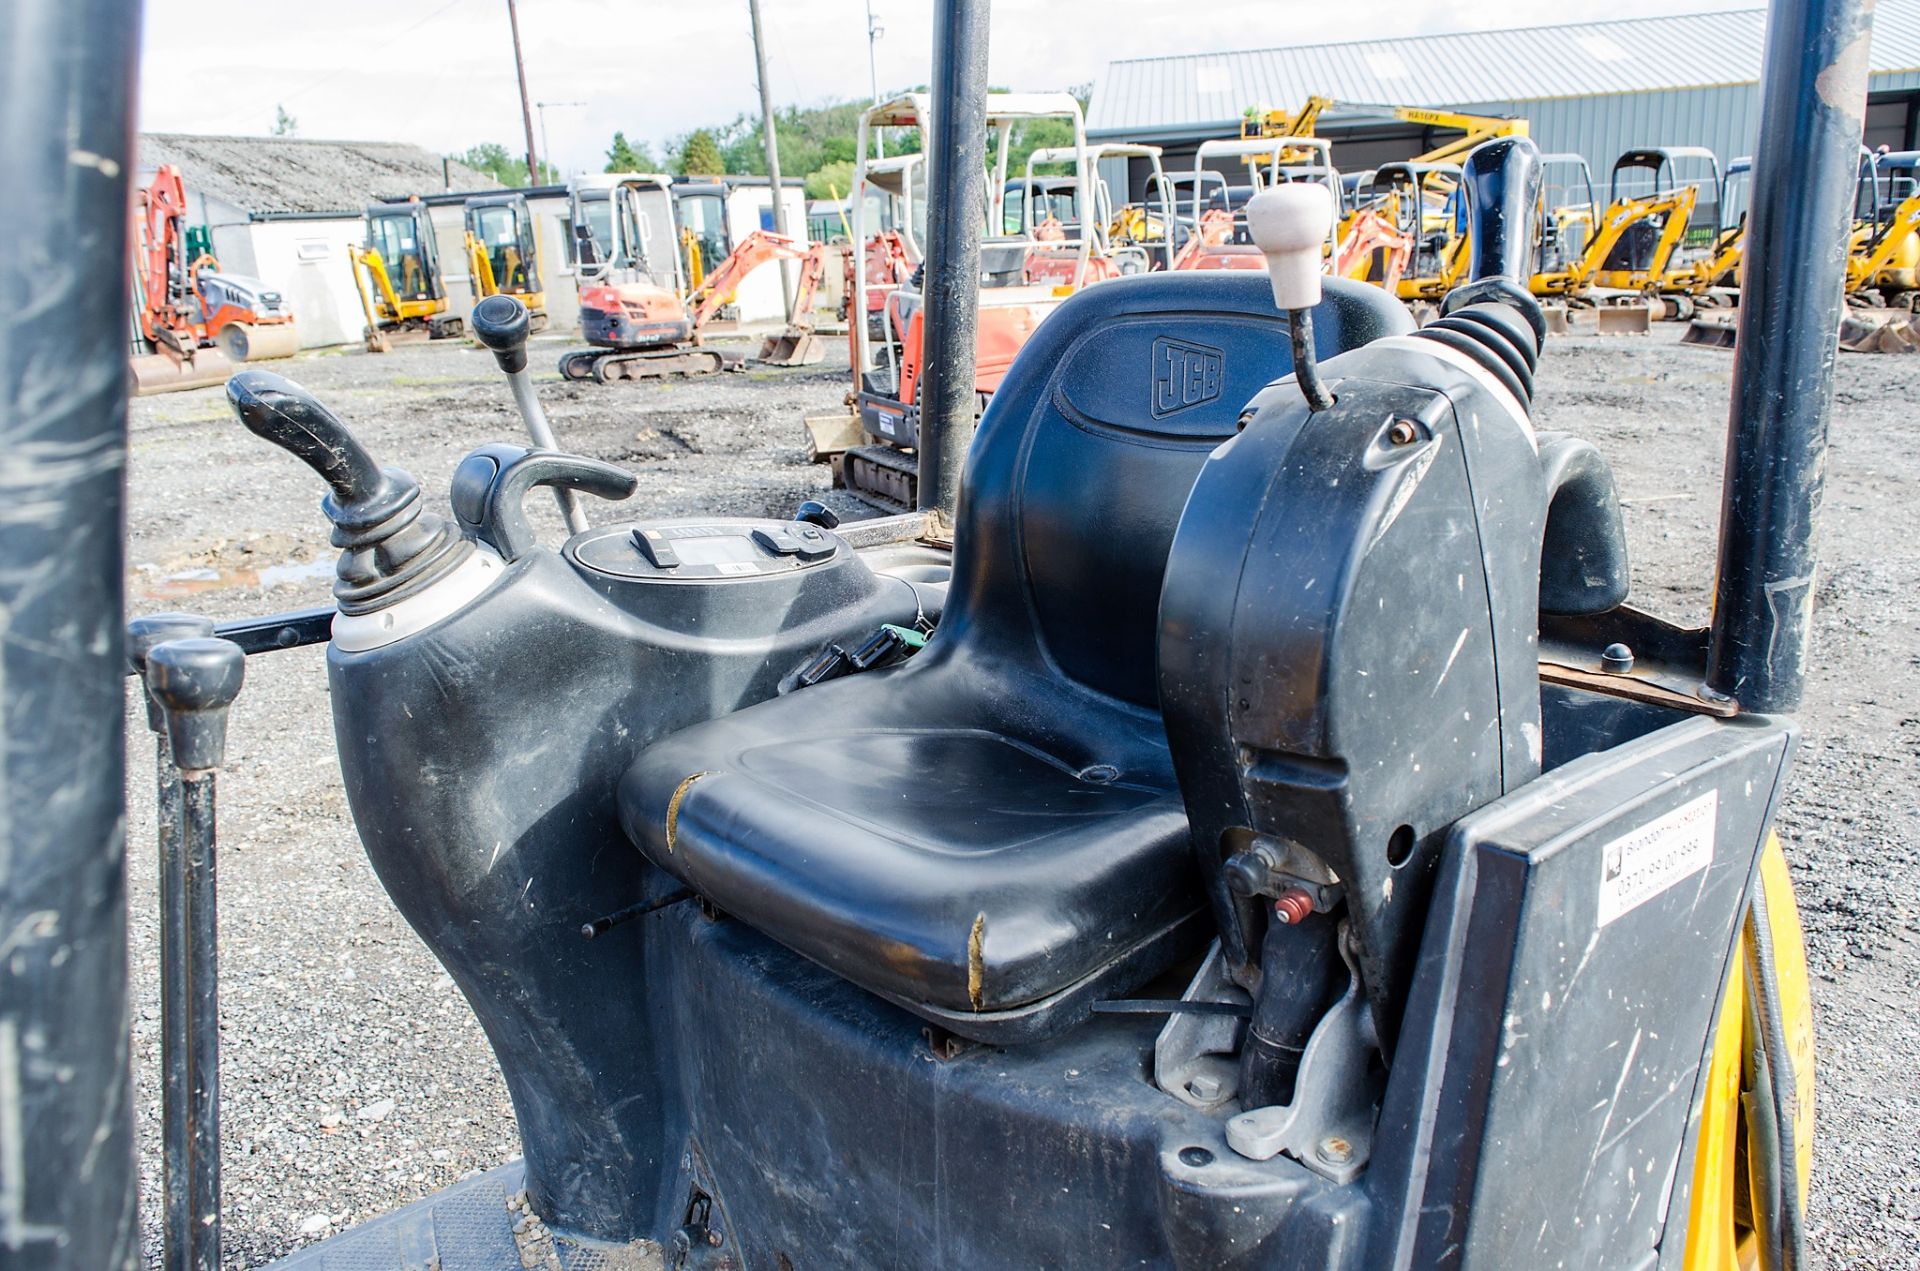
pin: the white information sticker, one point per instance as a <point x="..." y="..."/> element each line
<point x="1636" y="867"/>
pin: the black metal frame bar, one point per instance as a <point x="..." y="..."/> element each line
<point x="1813" y="100"/>
<point x="956" y="218"/>
<point x="67" y="1179"/>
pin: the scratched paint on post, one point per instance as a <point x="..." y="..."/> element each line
<point x="1638" y="866"/>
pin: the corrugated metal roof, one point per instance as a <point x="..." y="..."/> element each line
<point x="290" y="174"/>
<point x="1531" y="63"/>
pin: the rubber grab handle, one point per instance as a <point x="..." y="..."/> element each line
<point x="279" y="410"/>
<point x="490" y="488"/>
<point x="1501" y="180"/>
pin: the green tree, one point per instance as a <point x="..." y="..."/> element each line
<point x="284" y="125"/>
<point x="700" y="156"/>
<point x="493" y="159"/>
<point x="624" y="156"/>
<point x="831" y="181"/>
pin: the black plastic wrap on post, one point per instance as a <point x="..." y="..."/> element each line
<point x="956" y="217"/>
<point x="1813" y="95"/>
<point x="65" y="1085"/>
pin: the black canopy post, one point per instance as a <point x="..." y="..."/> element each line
<point x="1813" y="99"/>
<point x="66" y="1120"/>
<point x="956" y="217"/>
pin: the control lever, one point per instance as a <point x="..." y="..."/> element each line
<point x="501" y="323"/>
<point x="195" y="681"/>
<point x="1289" y="224"/>
<point x="391" y="546"/>
<point x="1501" y="180"/>
<point x="490" y="486"/>
<point x="144" y="635"/>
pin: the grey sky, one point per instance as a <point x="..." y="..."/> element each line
<point x="440" y="72"/>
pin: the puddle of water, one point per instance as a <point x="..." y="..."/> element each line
<point x="191" y="582"/>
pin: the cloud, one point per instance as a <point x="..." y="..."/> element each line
<point x="440" y="72"/>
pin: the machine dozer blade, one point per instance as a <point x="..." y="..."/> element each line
<point x="792" y="348"/>
<point x="1557" y="321"/>
<point x="1636" y="319"/>
<point x="1711" y="333"/>
<point x="833" y="433"/>
<point x="246" y="342"/>
<point x="160" y="373"/>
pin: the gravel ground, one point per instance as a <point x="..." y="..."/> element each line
<point x="355" y="1078"/>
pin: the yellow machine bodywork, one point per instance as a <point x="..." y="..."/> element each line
<point x="1676" y="206"/>
<point x="1719" y="1234"/>
<point x="385" y="301"/>
<point x="1890" y="259"/>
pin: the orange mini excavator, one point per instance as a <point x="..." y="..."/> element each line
<point x="195" y="321"/>
<point x="642" y="321"/>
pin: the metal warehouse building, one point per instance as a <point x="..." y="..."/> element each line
<point x="1594" y="89"/>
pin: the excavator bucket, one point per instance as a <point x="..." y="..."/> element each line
<point x="792" y="348"/>
<point x="250" y="342"/>
<point x="1636" y="319"/>
<point x="1711" y="333"/>
<point x="1897" y="334"/>
<point x="160" y="373"/>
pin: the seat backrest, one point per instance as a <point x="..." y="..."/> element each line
<point x="1083" y="461"/>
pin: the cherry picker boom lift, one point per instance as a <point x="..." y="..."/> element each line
<point x="1222" y="883"/>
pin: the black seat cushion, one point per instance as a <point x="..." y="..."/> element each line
<point x="942" y="858"/>
<point x="992" y="834"/>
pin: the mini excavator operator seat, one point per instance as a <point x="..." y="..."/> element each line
<point x="991" y="835"/>
<point x="1002" y="830"/>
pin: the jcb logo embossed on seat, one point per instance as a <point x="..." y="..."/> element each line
<point x="1185" y="375"/>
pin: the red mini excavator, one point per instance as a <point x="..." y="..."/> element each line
<point x="641" y="321"/>
<point x="195" y="321"/>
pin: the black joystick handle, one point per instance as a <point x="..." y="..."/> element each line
<point x="392" y="548"/>
<point x="501" y="323"/>
<point x="195" y="681"/>
<point x="1501" y="181"/>
<point x="148" y="632"/>
<point x="814" y="512"/>
<point x="274" y="407"/>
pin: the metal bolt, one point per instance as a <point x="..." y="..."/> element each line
<point x="1204" y="1087"/>
<point x="1616" y="659"/>
<point x="1293" y="906"/>
<point x="1402" y="432"/>
<point x="1335" y="1150"/>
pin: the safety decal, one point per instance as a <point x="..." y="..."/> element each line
<point x="1638" y="866"/>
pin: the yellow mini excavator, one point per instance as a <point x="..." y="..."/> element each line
<point x="503" y="252"/>
<point x="397" y="275"/>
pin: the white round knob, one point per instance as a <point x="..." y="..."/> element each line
<point x="1290" y="224"/>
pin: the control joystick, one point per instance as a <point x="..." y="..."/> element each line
<point x="392" y="547"/>
<point x="501" y="323"/>
<point x="1290" y="224"/>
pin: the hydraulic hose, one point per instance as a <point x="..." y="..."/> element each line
<point x="1783" y="1089"/>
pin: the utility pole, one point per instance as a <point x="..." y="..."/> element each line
<point x="874" y="32"/>
<point x="773" y="148"/>
<point x="526" y="108"/>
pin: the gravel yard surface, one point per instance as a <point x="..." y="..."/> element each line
<point x="355" y="1078"/>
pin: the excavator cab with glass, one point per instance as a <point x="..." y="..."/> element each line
<point x="503" y="252"/>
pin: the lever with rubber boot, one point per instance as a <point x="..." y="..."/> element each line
<point x="501" y="323"/>
<point x="392" y="548"/>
